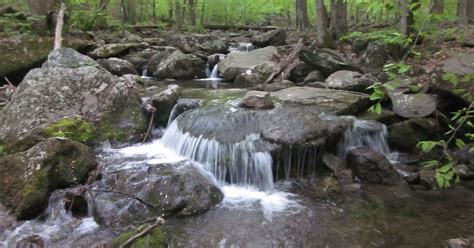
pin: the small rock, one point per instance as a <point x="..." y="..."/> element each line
<point x="115" y="50"/>
<point x="164" y="103"/>
<point x="117" y="66"/>
<point x="464" y="171"/>
<point x="458" y="243"/>
<point x="371" y="166"/>
<point x="349" y="80"/>
<point x="270" y="38"/>
<point x="300" y="72"/>
<point x="326" y="61"/>
<point x="33" y="241"/>
<point x="314" y="76"/>
<point x="258" y="100"/>
<point x="427" y="179"/>
<point x="413" y="105"/>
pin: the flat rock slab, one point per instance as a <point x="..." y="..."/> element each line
<point x="328" y="101"/>
<point x="460" y="65"/>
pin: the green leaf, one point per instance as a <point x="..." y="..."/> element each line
<point x="460" y="143"/>
<point x="427" y="146"/>
<point x="445" y="168"/>
<point x="378" y="108"/>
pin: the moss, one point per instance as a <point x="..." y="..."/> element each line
<point x="74" y="128"/>
<point x="34" y="196"/>
<point x="155" y="238"/>
<point x="2" y="150"/>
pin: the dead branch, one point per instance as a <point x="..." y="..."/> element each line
<point x="159" y="221"/>
<point x="286" y="65"/>
<point x="58" y="34"/>
<point x="150" y="109"/>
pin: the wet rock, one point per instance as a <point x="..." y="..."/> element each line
<point x="327" y="101"/>
<point x="180" y="66"/>
<point x="193" y="43"/>
<point x="407" y="134"/>
<point x="52" y="93"/>
<point x="350" y="80"/>
<point x="284" y="84"/>
<point x="408" y="173"/>
<point x="131" y="37"/>
<point x="320" y="85"/>
<point x="271" y="38"/>
<point x="35" y="50"/>
<point x="164" y="103"/>
<point x="259" y="62"/>
<point x="413" y="105"/>
<point x="255" y="76"/>
<point x="387" y="117"/>
<point x="214" y="59"/>
<point x="326" y="61"/>
<point x="184" y="105"/>
<point x="29" y="177"/>
<point x="374" y="57"/>
<point x="460" y="65"/>
<point x="371" y="166"/>
<point x="115" y="50"/>
<point x="258" y="100"/>
<point x="33" y="241"/>
<point x="117" y="66"/>
<point x="464" y="171"/>
<point x="458" y="243"/>
<point x="339" y="168"/>
<point x="138" y="63"/>
<point x="165" y="189"/>
<point x="314" y="76"/>
<point x="300" y="72"/>
<point x="427" y="179"/>
<point x="160" y="55"/>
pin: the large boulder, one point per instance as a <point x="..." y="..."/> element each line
<point x="271" y="38"/>
<point x="180" y="66"/>
<point x="327" y="101"/>
<point x="141" y="58"/>
<point x="459" y="65"/>
<point x="193" y="43"/>
<point x="300" y="72"/>
<point x="350" y="80"/>
<point x="34" y="51"/>
<point x="326" y="61"/>
<point x="258" y="100"/>
<point x="159" y="55"/>
<point x="52" y="93"/>
<point x="29" y="177"/>
<point x="371" y="166"/>
<point x="407" y="134"/>
<point x="374" y="57"/>
<point x="115" y="50"/>
<point x="178" y="188"/>
<point x="258" y="63"/>
<point x="118" y="67"/>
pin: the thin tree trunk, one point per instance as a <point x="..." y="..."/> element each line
<point x="170" y="10"/>
<point x="178" y="24"/>
<point x="203" y="8"/>
<point x="191" y="12"/>
<point x="102" y="12"/>
<point x="153" y="5"/>
<point x="338" y="23"/>
<point x="436" y="6"/>
<point x="302" y="21"/>
<point x="470" y="11"/>
<point x="58" y="35"/>
<point x="462" y="13"/>
<point x="407" y="20"/>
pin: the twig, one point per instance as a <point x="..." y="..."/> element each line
<point x="144" y="202"/>
<point x="150" y="109"/>
<point x="10" y="83"/>
<point x="159" y="221"/>
<point x="59" y="27"/>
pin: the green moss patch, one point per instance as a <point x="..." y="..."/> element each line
<point x="74" y="128"/>
<point x="155" y="238"/>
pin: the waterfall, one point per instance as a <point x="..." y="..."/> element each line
<point x="172" y="114"/>
<point x="214" y="72"/>
<point x="243" y="47"/>
<point x="365" y="133"/>
<point x="245" y="163"/>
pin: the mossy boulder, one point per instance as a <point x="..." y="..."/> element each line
<point x="74" y="128"/>
<point x="18" y="54"/>
<point x="407" y="134"/>
<point x="51" y="93"/>
<point x="115" y="50"/>
<point x="154" y="239"/>
<point x="29" y="177"/>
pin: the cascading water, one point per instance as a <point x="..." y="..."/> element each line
<point x="365" y="133"/>
<point x="245" y="163"/>
<point x="241" y="47"/>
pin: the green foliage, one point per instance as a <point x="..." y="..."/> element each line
<point x="17" y="23"/>
<point x="73" y="128"/>
<point x="2" y="149"/>
<point x="156" y="238"/>
<point x="385" y="36"/>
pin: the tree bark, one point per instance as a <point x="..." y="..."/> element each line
<point x="322" y="23"/>
<point x="42" y="7"/>
<point x="192" y="12"/>
<point x="302" y="21"/>
<point x="436" y="6"/>
<point x="338" y="23"/>
<point x="407" y="19"/>
<point x="178" y="17"/>
<point x="462" y="12"/>
<point x="470" y="11"/>
<point x="58" y="35"/>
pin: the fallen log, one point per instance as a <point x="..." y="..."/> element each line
<point x="231" y="27"/>
<point x="159" y="221"/>
<point x="284" y="68"/>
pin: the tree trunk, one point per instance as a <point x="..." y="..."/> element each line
<point x="170" y="10"/>
<point x="178" y="18"/>
<point x="470" y="11"/>
<point x="338" y="23"/>
<point x="203" y="7"/>
<point x="153" y="5"/>
<point x="42" y="7"/>
<point x="407" y="19"/>
<point x="436" y="6"/>
<point x="102" y="12"/>
<point x="322" y="22"/>
<point x="462" y="12"/>
<point x="192" y="12"/>
<point x="302" y="21"/>
<point x="58" y="34"/>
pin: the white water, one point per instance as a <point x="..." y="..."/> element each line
<point x="242" y="47"/>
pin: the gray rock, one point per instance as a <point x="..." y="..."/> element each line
<point x="271" y="38"/>
<point x="349" y="80"/>
<point x="160" y="55"/>
<point x="320" y="85"/>
<point x="339" y="168"/>
<point x="138" y="63"/>
<point x="414" y="105"/>
<point x="427" y="178"/>
<point x="260" y="62"/>
<point x="117" y="66"/>
<point x="374" y="58"/>
<point x="300" y="72"/>
<point x="115" y="50"/>
<point x="49" y="94"/>
<point x="164" y="103"/>
<point x="460" y="65"/>
<point x="67" y="57"/>
<point x="314" y="76"/>
<point x="193" y="43"/>
<point x="371" y="166"/>
<point x="180" y="66"/>
<point x="168" y="189"/>
<point x="29" y="177"/>
<point x="458" y="243"/>
<point x="284" y="84"/>
<point x="326" y="61"/>
<point x="258" y="100"/>
<point x="327" y="101"/>
<point x="407" y="134"/>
